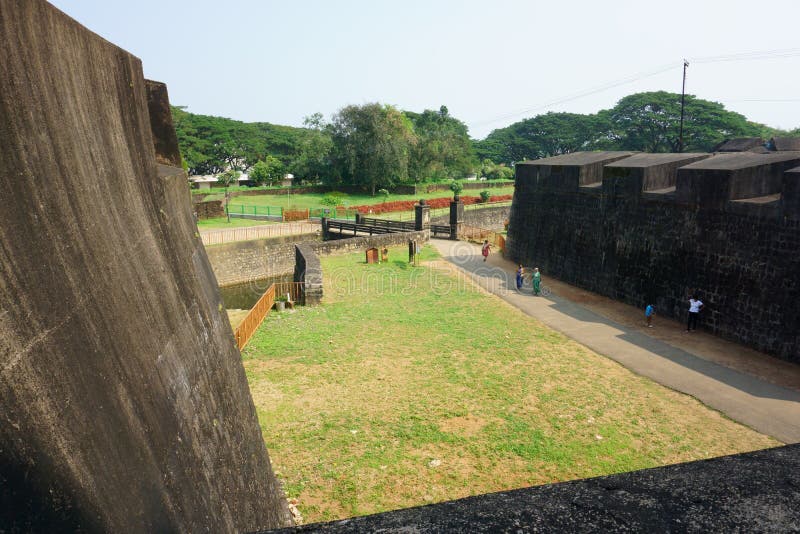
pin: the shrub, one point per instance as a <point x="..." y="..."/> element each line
<point x="485" y="195"/>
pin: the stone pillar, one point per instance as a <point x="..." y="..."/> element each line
<point x="359" y="218"/>
<point x="324" y="223"/>
<point x="308" y="270"/>
<point x="422" y="216"/>
<point x="456" y="217"/>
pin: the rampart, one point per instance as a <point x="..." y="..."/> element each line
<point x="245" y="261"/>
<point x="124" y="406"/>
<point x="651" y="228"/>
<point x="490" y="218"/>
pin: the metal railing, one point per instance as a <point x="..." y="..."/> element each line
<point x="440" y="229"/>
<point x="257" y="313"/>
<point x="345" y="226"/>
<point x="266" y="211"/>
<point x="228" y="235"/>
<point x="387" y="223"/>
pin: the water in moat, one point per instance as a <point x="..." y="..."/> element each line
<point x="244" y="296"/>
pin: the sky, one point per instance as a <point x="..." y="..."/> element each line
<point x="491" y="62"/>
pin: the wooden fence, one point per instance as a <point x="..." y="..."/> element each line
<point x="478" y="235"/>
<point x="257" y="313"/>
<point x="228" y="235"/>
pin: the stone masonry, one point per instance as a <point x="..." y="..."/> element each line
<point x="650" y="228"/>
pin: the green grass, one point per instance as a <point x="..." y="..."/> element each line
<point x="220" y="223"/>
<point x="410" y="386"/>
<point x="314" y="200"/>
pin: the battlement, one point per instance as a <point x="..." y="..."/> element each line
<point x="650" y="228"/>
<point x="733" y="181"/>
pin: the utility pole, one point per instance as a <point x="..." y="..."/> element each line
<point x="683" y="100"/>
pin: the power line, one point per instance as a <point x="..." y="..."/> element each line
<point x="741" y="56"/>
<point x="581" y="94"/>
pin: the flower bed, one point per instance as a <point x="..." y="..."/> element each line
<point x="434" y="203"/>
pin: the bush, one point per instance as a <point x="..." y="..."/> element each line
<point x="333" y="199"/>
<point x="485" y="196"/>
<point x="456" y="187"/>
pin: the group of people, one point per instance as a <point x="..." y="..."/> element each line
<point x="695" y="307"/>
<point x="695" y="304"/>
<point x="536" y="278"/>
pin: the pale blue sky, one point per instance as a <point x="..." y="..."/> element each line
<point x="490" y="62"/>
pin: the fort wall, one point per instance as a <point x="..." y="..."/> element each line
<point x="124" y="406"/>
<point x="729" y="228"/>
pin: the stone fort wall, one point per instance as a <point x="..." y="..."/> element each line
<point x="656" y="227"/>
<point x="124" y="405"/>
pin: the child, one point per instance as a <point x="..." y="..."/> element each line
<point x="649" y="311"/>
<point x="485" y="249"/>
<point x="520" y="273"/>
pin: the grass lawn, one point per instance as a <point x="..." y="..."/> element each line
<point x="410" y="386"/>
<point x="220" y="223"/>
<point x="314" y="200"/>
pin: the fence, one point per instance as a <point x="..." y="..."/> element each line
<point x="440" y="230"/>
<point x="478" y="235"/>
<point x="266" y="211"/>
<point x="257" y="313"/>
<point x="332" y="213"/>
<point x="387" y="223"/>
<point x="218" y="237"/>
<point x="343" y="226"/>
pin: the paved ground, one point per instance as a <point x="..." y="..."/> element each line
<point x="749" y="387"/>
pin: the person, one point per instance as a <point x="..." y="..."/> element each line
<point x="485" y="249"/>
<point x="520" y="272"/>
<point x="537" y="281"/>
<point x="649" y="311"/>
<point x="695" y="305"/>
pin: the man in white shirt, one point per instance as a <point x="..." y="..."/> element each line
<point x="695" y="305"/>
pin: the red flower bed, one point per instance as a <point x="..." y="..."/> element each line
<point x="408" y="205"/>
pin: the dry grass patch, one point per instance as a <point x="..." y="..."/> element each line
<point x="409" y="388"/>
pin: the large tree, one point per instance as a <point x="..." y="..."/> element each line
<point x="371" y="146"/>
<point x="650" y="122"/>
<point x="312" y="162"/>
<point x="545" y="135"/>
<point x="443" y="150"/>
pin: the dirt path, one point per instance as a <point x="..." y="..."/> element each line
<point x="750" y="387"/>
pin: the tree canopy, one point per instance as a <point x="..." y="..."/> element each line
<point x="371" y="146"/>
<point x="375" y="146"/>
<point x="647" y="122"/>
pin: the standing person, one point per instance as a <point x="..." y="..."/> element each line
<point x="520" y="272"/>
<point x="649" y="311"/>
<point x="695" y="305"/>
<point x="537" y="281"/>
<point x="485" y="249"/>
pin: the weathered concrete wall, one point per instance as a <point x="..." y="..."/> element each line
<point x="489" y="218"/>
<point x="308" y="271"/>
<point x="244" y="261"/>
<point x="741" y="256"/>
<point x="210" y="209"/>
<point x="124" y="406"/>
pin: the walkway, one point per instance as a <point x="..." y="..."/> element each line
<point x="749" y="387"/>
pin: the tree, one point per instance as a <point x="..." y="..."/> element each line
<point x="227" y="178"/>
<point x="543" y="136"/>
<point x="313" y="158"/>
<point x="456" y="187"/>
<point x="443" y="150"/>
<point x="371" y="146"/>
<point x="270" y="171"/>
<point x="650" y="122"/>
